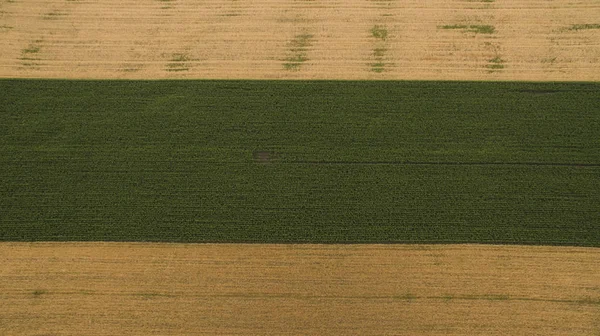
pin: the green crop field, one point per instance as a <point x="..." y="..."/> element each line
<point x="300" y="161"/>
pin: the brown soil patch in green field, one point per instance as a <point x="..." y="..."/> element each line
<point x="177" y="289"/>
<point x="272" y="39"/>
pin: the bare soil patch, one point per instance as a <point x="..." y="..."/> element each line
<point x="263" y="156"/>
<point x="179" y="289"/>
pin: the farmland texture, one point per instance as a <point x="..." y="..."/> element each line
<point x="300" y="162"/>
<point x="121" y="175"/>
<point x="274" y="39"/>
<point x="179" y="289"/>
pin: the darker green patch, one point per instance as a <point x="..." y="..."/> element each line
<point x="379" y="32"/>
<point x="379" y="56"/>
<point x="294" y="62"/>
<point x="482" y="29"/>
<point x="300" y="42"/>
<point x="32" y="49"/>
<point x="477" y="29"/>
<point x="495" y="64"/>
<point x="379" y="52"/>
<point x="53" y="15"/>
<point x="455" y="26"/>
<point x="131" y="67"/>
<point x="549" y="60"/>
<point x="378" y="67"/>
<point x="29" y="63"/>
<point x="168" y="4"/>
<point x="179" y="62"/>
<point x="298" y="48"/>
<point x="39" y="292"/>
<point x="28" y="57"/>
<point x="586" y="26"/>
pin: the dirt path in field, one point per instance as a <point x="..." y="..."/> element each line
<point x="172" y="289"/>
<point x="302" y="39"/>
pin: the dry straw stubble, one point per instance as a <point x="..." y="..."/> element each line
<point x="180" y="289"/>
<point x="435" y="39"/>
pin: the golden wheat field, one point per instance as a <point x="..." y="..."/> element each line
<point x="238" y="289"/>
<point x="180" y="289"/>
<point x="302" y="39"/>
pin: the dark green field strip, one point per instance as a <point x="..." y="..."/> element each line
<point x="273" y="161"/>
<point x="191" y="201"/>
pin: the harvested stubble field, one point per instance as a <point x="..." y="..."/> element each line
<point x="178" y="289"/>
<point x="273" y="39"/>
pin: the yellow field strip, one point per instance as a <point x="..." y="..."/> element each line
<point x="302" y="39"/>
<point x="185" y="289"/>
